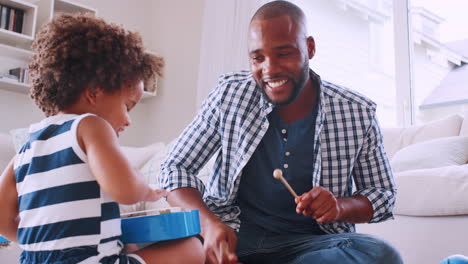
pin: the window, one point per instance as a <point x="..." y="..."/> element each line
<point x="354" y="48"/>
<point x="360" y="42"/>
<point x="440" y="48"/>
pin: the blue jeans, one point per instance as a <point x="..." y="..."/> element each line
<point x="455" y="259"/>
<point x="257" y="246"/>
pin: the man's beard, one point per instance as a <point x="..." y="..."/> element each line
<point x="298" y="85"/>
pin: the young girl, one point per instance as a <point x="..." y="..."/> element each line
<point x="60" y="192"/>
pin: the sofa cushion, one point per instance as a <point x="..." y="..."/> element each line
<point x="19" y="137"/>
<point x="431" y="154"/>
<point x="392" y="140"/>
<point x="397" y="138"/>
<point x="152" y="168"/>
<point x="432" y="192"/>
<point x="138" y="156"/>
<point x="464" y="126"/>
<point x="147" y="160"/>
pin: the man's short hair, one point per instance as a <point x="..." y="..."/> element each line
<point x="280" y="8"/>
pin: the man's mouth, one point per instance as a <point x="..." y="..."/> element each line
<point x="276" y="86"/>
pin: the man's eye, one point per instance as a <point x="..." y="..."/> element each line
<point x="257" y="58"/>
<point x="284" y="54"/>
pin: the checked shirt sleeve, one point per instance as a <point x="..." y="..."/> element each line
<point x="373" y="175"/>
<point x="192" y="150"/>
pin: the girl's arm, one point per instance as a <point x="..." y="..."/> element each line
<point x="112" y="170"/>
<point x="9" y="217"/>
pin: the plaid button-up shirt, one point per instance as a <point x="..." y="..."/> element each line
<point x="348" y="148"/>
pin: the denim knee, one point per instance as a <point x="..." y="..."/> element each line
<point x="389" y="252"/>
<point x="383" y="251"/>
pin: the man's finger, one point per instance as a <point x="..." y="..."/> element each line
<point x="327" y="217"/>
<point x="324" y="208"/>
<point x="211" y="257"/>
<point x="232" y="243"/>
<point x="223" y="255"/>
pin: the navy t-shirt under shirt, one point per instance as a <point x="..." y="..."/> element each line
<point x="264" y="200"/>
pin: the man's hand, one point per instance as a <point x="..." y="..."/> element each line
<point x="319" y="204"/>
<point x="220" y="240"/>
<point x="220" y="243"/>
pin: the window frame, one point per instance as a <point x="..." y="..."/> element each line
<point x="404" y="82"/>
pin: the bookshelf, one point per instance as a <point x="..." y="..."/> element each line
<point x="66" y="6"/>
<point x="50" y="8"/>
<point x="152" y="85"/>
<point x="14" y="86"/>
<point x="13" y="57"/>
<point x="25" y="38"/>
<point x="15" y="48"/>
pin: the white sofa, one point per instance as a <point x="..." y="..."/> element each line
<point x="431" y="213"/>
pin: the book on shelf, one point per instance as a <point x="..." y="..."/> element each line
<point x="8" y="77"/>
<point x="3" y="18"/>
<point x="22" y="74"/>
<point x="11" y="18"/>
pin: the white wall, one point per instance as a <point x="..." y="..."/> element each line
<point x="17" y="110"/>
<point x="176" y="35"/>
<point x="170" y="28"/>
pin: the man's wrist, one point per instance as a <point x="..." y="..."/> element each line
<point x="355" y="209"/>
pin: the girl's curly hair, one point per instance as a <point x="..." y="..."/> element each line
<point x="76" y="50"/>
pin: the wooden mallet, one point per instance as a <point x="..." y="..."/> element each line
<point x="278" y="174"/>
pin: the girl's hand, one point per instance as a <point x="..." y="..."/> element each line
<point x="155" y="194"/>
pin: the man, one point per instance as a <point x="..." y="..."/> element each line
<point x="281" y="115"/>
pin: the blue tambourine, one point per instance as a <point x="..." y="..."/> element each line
<point x="153" y="228"/>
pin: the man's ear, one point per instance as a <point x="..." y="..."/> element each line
<point x="311" y="47"/>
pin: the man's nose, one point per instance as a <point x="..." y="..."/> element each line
<point x="270" y="67"/>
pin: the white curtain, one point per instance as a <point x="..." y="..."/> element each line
<point x="224" y="41"/>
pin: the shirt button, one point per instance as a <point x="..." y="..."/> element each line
<point x="285" y="166"/>
<point x="287" y="153"/>
<point x="283" y="131"/>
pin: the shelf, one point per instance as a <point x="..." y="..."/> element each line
<point x="50" y="8"/>
<point x="67" y="6"/>
<point x="14" y="38"/>
<point x="147" y="95"/>
<point x="14" y="86"/>
<point x="151" y="87"/>
<point x="29" y="24"/>
<point x="16" y="53"/>
<point x="17" y="87"/>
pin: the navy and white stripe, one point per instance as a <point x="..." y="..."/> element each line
<point x="233" y="120"/>
<point x="61" y="205"/>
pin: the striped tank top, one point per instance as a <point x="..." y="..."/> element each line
<point x="64" y="216"/>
